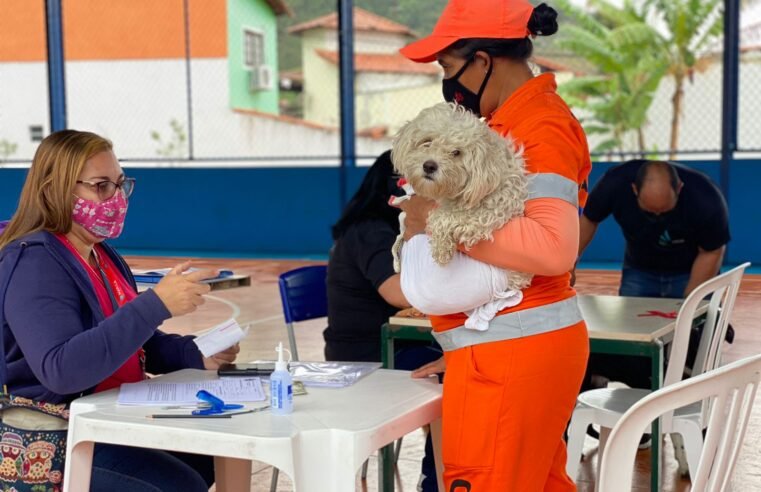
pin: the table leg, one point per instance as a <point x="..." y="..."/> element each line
<point x="437" y="450"/>
<point x="387" y="347"/>
<point x="386" y="468"/>
<point x="656" y="359"/>
<point x="232" y="474"/>
<point x="78" y="467"/>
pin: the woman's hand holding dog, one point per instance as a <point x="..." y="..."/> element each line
<point x="417" y="209"/>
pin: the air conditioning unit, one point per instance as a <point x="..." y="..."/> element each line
<point x="260" y="79"/>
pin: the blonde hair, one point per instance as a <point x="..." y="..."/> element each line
<point x="46" y="200"/>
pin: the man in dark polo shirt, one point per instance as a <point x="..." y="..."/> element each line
<point x="676" y="226"/>
<point x="674" y="220"/>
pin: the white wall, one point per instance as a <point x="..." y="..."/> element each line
<point x="23" y="103"/>
<point x="749" y="125"/>
<point x="126" y="100"/>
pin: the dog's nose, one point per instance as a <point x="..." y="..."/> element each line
<point x="430" y="167"/>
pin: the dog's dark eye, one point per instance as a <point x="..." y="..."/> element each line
<point x="455" y="153"/>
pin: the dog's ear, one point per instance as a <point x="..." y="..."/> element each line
<point x="402" y="144"/>
<point x="484" y="159"/>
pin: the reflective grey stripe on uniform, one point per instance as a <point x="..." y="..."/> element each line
<point x="533" y="321"/>
<point x="551" y="185"/>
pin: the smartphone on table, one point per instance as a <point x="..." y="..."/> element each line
<point x="252" y="369"/>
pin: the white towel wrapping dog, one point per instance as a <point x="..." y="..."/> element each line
<point x="395" y="201"/>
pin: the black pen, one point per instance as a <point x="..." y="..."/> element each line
<point x="189" y="416"/>
<point x="211" y="416"/>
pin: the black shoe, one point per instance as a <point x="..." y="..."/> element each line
<point x="645" y="441"/>
<point x="591" y="432"/>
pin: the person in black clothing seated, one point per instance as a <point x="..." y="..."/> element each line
<point x="363" y="289"/>
<point x="676" y="226"/>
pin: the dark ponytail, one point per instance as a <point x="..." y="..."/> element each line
<point x="543" y="21"/>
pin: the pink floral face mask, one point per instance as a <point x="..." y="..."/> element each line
<point x="102" y="219"/>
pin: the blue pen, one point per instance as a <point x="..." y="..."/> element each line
<point x="212" y="416"/>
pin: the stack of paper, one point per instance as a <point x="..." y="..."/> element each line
<point x="230" y="390"/>
<point x="331" y="374"/>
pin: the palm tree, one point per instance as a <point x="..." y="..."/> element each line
<point x="692" y="27"/>
<point x="624" y="50"/>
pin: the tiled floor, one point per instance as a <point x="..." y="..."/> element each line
<point x="259" y="306"/>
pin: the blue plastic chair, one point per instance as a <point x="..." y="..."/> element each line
<point x="304" y="294"/>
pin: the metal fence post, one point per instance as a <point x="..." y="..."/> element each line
<point x="346" y="94"/>
<point x="730" y="91"/>
<point x="56" y="75"/>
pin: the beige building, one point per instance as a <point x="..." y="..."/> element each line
<point x="389" y="88"/>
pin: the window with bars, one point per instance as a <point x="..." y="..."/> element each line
<point x="253" y="48"/>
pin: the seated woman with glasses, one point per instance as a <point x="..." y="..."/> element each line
<point x="72" y="322"/>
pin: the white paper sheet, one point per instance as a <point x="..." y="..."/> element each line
<point x="221" y="337"/>
<point x="230" y="390"/>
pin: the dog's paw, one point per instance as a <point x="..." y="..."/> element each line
<point x="442" y="256"/>
<point x="680" y="454"/>
<point x="396" y="253"/>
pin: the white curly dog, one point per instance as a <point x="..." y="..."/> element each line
<point x="476" y="177"/>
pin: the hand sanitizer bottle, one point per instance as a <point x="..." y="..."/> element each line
<point x="281" y="386"/>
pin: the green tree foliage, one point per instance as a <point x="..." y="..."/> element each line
<point x="623" y="49"/>
<point x="7" y="149"/>
<point x="692" y="27"/>
<point x="633" y="56"/>
<point x="175" y="145"/>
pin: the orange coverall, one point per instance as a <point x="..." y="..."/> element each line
<point x="507" y="403"/>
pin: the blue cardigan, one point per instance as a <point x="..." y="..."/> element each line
<point x="57" y="343"/>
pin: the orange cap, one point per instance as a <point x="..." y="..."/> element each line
<point x="464" y="19"/>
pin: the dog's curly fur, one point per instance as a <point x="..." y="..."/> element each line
<point x="479" y="182"/>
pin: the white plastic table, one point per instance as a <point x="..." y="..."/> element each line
<point x="321" y="445"/>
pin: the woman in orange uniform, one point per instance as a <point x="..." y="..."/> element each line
<point x="509" y="391"/>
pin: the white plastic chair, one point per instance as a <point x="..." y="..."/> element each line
<point x="728" y="393"/>
<point x="606" y="406"/>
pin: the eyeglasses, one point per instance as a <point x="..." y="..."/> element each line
<point x="107" y="189"/>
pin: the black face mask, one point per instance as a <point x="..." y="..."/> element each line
<point x="455" y="92"/>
